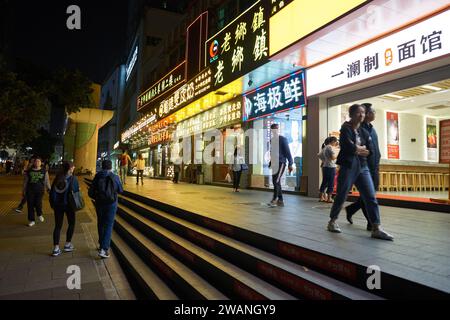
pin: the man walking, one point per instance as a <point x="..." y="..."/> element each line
<point x="104" y="189"/>
<point x="373" y="162"/>
<point x="125" y="160"/>
<point x="279" y="153"/>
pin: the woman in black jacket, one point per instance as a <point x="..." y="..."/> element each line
<point x="356" y="146"/>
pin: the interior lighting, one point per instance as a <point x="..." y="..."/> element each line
<point x="431" y="88"/>
<point x="394" y="96"/>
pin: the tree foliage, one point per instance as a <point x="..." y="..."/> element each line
<point x="70" y="89"/>
<point x="44" y="144"/>
<point x="22" y="111"/>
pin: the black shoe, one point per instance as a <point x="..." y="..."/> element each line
<point x="369" y="227"/>
<point x="349" y="215"/>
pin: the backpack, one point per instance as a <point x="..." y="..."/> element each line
<point x="104" y="191"/>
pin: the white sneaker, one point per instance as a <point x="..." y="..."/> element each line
<point x="103" y="253"/>
<point x="334" y="227"/>
<point x="381" y="234"/>
<point x="31" y="223"/>
<point x="69" y="247"/>
<point x="41" y="218"/>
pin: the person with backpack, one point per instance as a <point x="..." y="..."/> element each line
<point x="35" y="182"/>
<point x="125" y="160"/>
<point x="104" y="190"/>
<point x="140" y="166"/>
<point x="64" y="183"/>
<point x="328" y="157"/>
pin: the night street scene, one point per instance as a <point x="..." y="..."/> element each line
<point x="217" y="154"/>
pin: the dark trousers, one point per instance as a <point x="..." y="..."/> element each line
<point x="141" y="173"/>
<point x="105" y="223"/>
<point x="276" y="180"/>
<point x="359" y="204"/>
<point x="59" y="219"/>
<point x="34" y="202"/>
<point x="327" y="180"/>
<point x="237" y="179"/>
<point x="22" y="202"/>
<point x="176" y="177"/>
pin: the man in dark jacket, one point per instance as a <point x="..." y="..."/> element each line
<point x="104" y="189"/>
<point x="279" y="154"/>
<point x="373" y="162"/>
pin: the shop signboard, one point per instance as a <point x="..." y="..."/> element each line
<point x="426" y="40"/>
<point x="240" y="47"/>
<point x="224" y="115"/>
<point x="431" y="140"/>
<point x="444" y="141"/>
<point x="138" y="126"/>
<point x="170" y="81"/>
<point x="279" y="95"/>
<point x="277" y="5"/>
<point x="393" y="144"/>
<point x="187" y="93"/>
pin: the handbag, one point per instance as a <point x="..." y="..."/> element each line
<point x="228" y="178"/>
<point x="75" y="198"/>
<point x="244" y="167"/>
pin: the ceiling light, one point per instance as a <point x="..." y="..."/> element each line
<point x="432" y="88"/>
<point x="394" y="96"/>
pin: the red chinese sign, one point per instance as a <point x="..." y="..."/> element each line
<point x="392" y="135"/>
<point x="444" y="141"/>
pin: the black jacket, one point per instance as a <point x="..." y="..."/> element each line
<point x="284" y="153"/>
<point x="374" y="159"/>
<point x="347" y="141"/>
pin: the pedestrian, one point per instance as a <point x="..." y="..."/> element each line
<point x="104" y="190"/>
<point x="373" y="162"/>
<point x="64" y="183"/>
<point x="26" y="166"/>
<point x="279" y="154"/>
<point x="125" y="160"/>
<point x="236" y="168"/>
<point x="36" y="181"/>
<point x="140" y="166"/>
<point x="176" y="173"/>
<point x="328" y="157"/>
<point x="356" y="146"/>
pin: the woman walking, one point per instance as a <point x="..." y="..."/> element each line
<point x="35" y="182"/>
<point x="140" y="166"/>
<point x="64" y="183"/>
<point x="356" y="146"/>
<point x="236" y="168"/>
<point x="328" y="157"/>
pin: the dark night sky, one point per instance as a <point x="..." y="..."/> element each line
<point x="39" y="34"/>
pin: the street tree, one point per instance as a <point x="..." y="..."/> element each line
<point x="22" y="110"/>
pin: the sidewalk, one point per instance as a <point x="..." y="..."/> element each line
<point x="27" y="271"/>
<point x="420" y="251"/>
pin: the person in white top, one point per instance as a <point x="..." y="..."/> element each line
<point x="139" y="164"/>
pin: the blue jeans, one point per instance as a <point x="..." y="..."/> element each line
<point x="123" y="173"/>
<point x="327" y="180"/>
<point x="360" y="177"/>
<point x="105" y="222"/>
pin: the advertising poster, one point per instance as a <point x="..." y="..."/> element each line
<point x="431" y="140"/>
<point x="392" y="135"/>
<point x="444" y="141"/>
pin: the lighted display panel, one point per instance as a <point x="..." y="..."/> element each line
<point x="285" y="93"/>
<point x="240" y="47"/>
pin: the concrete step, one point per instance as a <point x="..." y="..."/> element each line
<point x="149" y="284"/>
<point x="228" y="278"/>
<point x="286" y="275"/>
<point x="185" y="283"/>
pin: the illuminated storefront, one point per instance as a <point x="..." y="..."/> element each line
<point x="405" y="76"/>
<point x="281" y="101"/>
